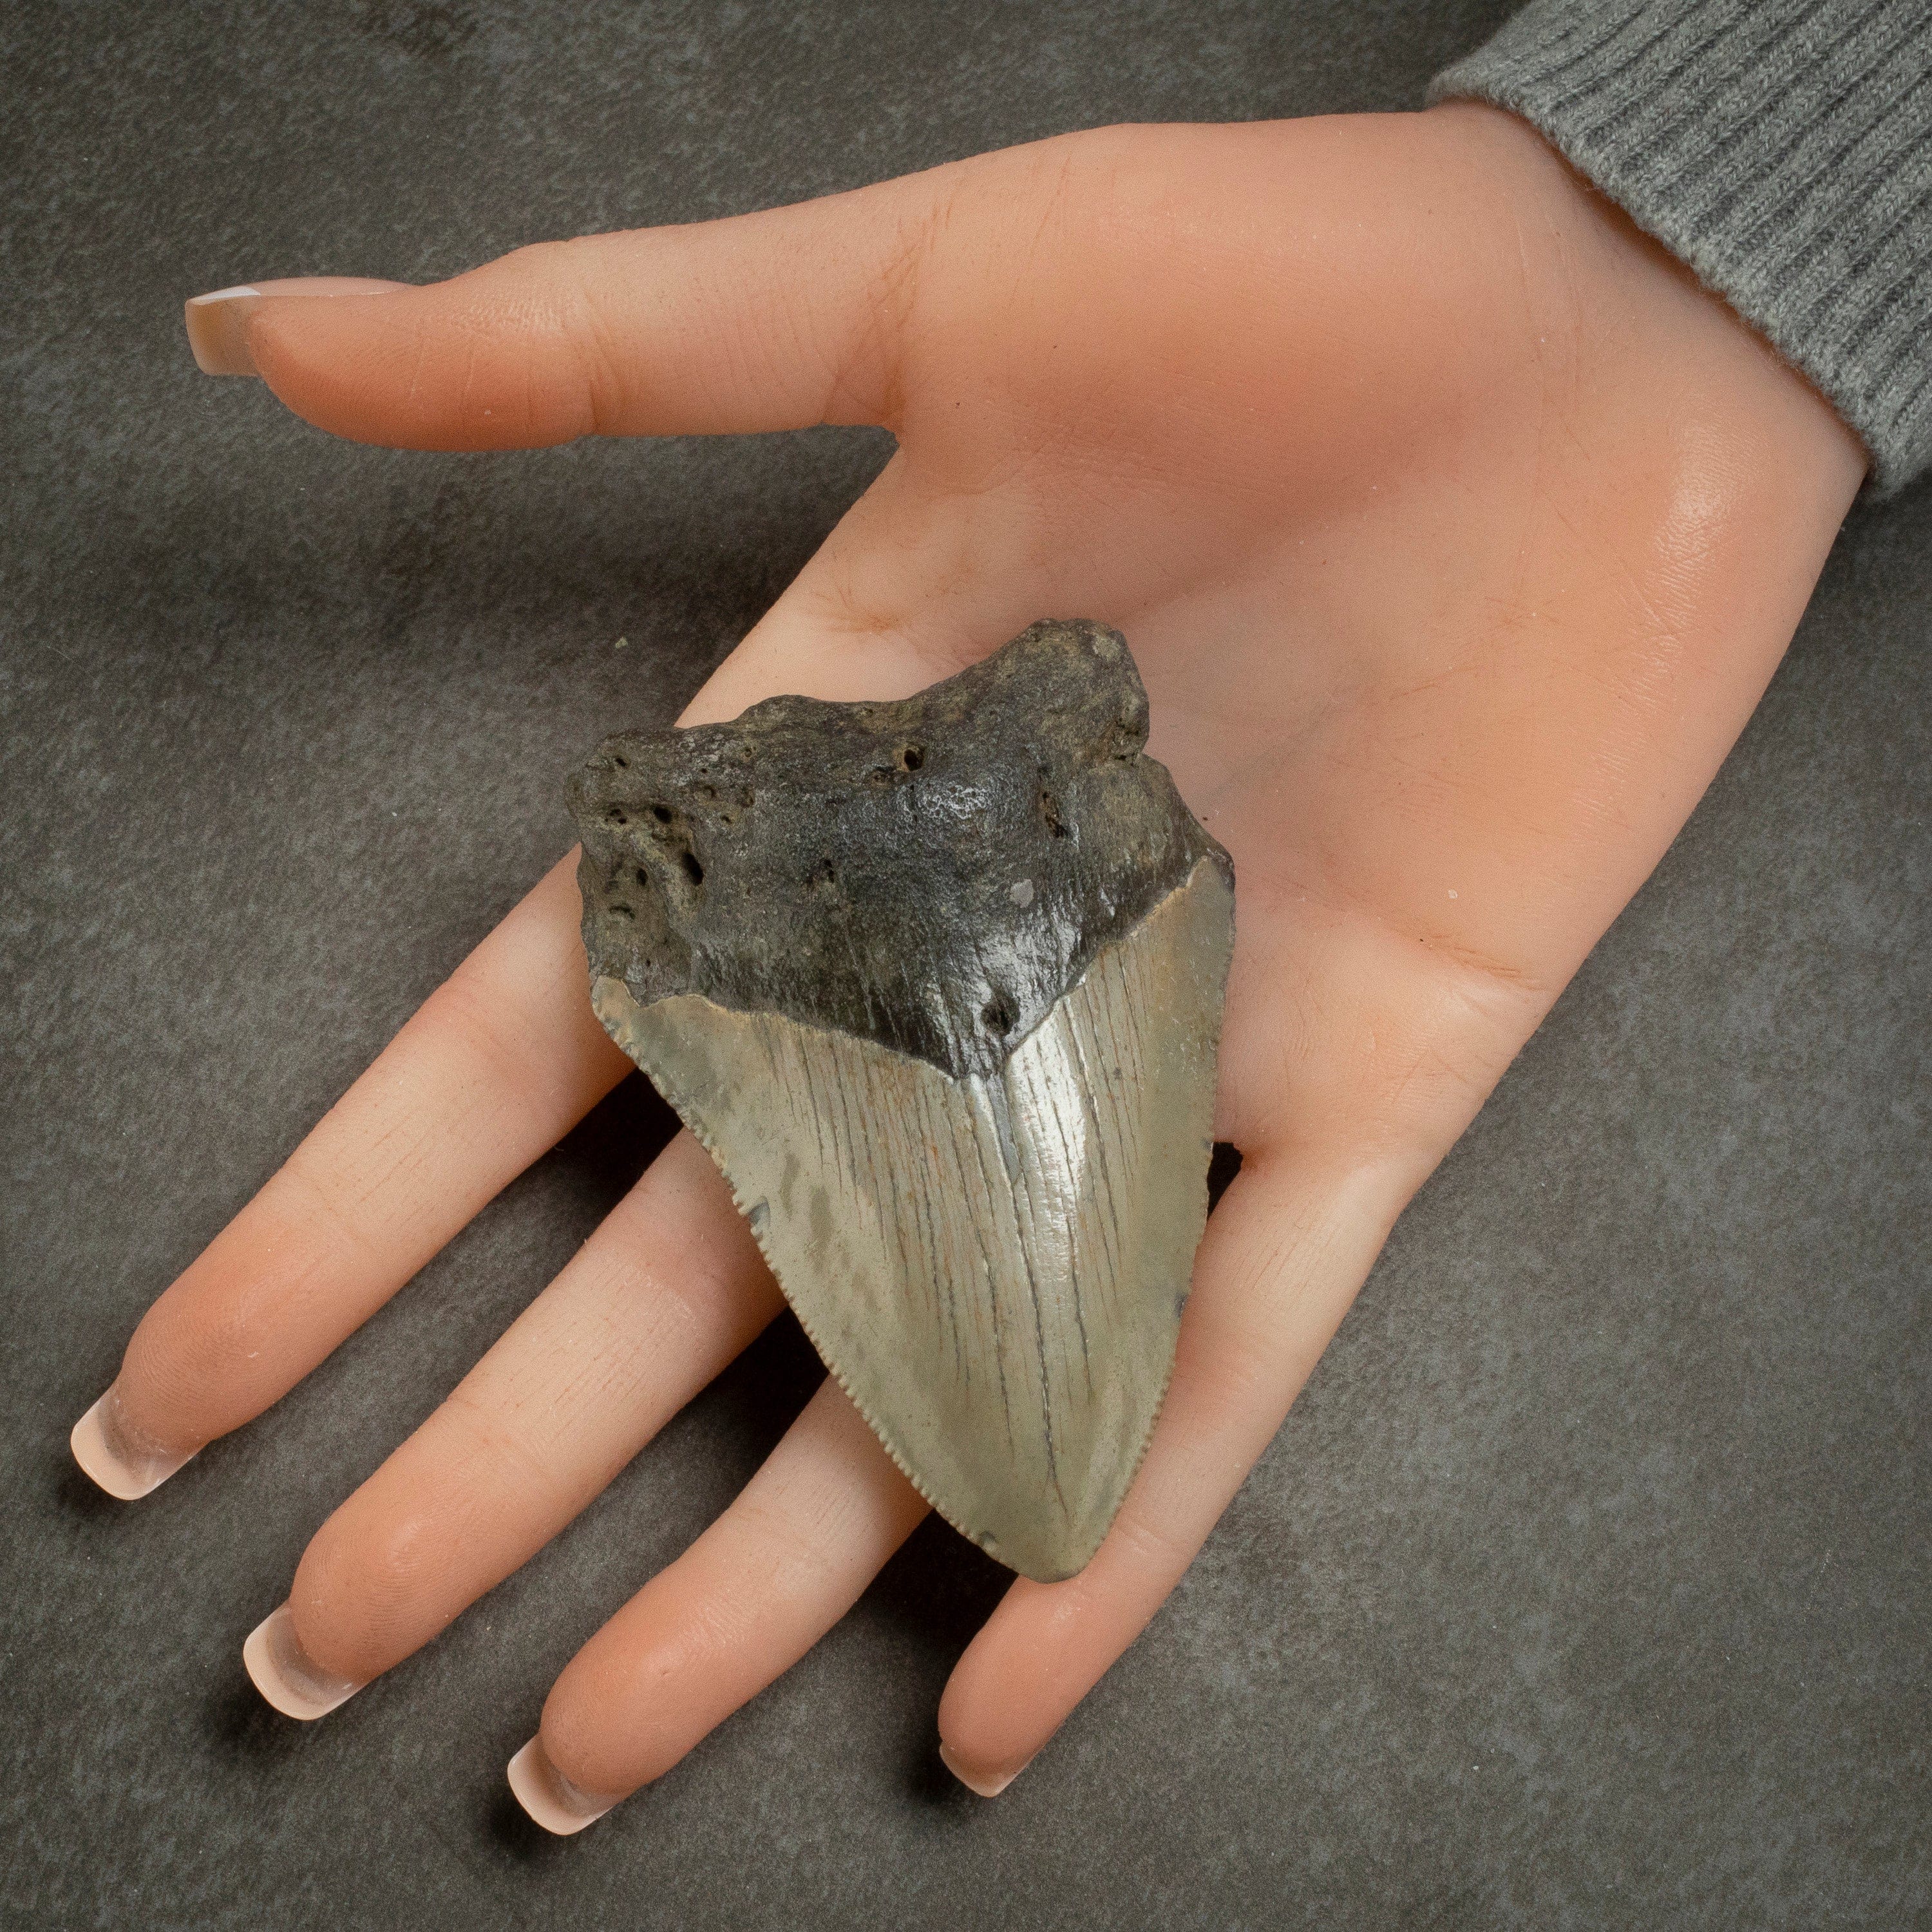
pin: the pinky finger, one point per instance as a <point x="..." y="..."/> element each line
<point x="789" y="1558"/>
<point x="1285" y="1252"/>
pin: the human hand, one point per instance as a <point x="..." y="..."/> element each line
<point x="1456" y="533"/>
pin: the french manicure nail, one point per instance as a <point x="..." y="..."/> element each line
<point x="218" y="324"/>
<point x="125" y="1462"/>
<point x="549" y="1797"/>
<point x="286" y="1675"/>
<point x="986" y="1785"/>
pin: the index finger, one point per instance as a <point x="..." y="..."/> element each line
<point x="500" y="1061"/>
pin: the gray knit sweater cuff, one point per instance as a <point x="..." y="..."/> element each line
<point x="1782" y="148"/>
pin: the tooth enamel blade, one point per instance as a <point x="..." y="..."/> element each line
<point x="993" y="1265"/>
<point x="938" y="984"/>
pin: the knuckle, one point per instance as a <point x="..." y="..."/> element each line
<point x="531" y="368"/>
<point x="788" y="1555"/>
<point x="595" y="366"/>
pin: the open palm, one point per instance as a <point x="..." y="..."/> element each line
<point x="1456" y="532"/>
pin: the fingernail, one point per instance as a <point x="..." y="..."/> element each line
<point x="286" y="1675"/>
<point x="988" y="1785"/>
<point x="124" y="1461"/>
<point x="549" y="1797"/>
<point x="218" y="324"/>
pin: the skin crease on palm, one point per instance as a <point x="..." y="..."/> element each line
<point x="1456" y="533"/>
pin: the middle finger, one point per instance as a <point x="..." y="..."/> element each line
<point x="670" y="1288"/>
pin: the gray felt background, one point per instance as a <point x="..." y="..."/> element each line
<point x="1588" y="1583"/>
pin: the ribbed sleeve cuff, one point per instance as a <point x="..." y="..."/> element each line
<point x="1782" y="149"/>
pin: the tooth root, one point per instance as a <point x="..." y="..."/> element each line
<point x="992" y="1265"/>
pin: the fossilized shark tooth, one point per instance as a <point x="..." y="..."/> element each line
<point x="938" y="983"/>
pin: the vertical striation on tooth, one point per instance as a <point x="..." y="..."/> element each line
<point x="938" y="983"/>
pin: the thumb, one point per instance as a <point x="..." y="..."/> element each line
<point x="776" y="320"/>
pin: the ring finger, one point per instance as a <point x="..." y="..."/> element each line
<point x="789" y="1558"/>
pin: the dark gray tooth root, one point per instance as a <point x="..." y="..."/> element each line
<point x="938" y="983"/>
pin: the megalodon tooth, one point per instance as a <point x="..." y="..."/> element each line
<point x="938" y="983"/>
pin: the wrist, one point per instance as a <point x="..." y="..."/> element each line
<point x="1662" y="358"/>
